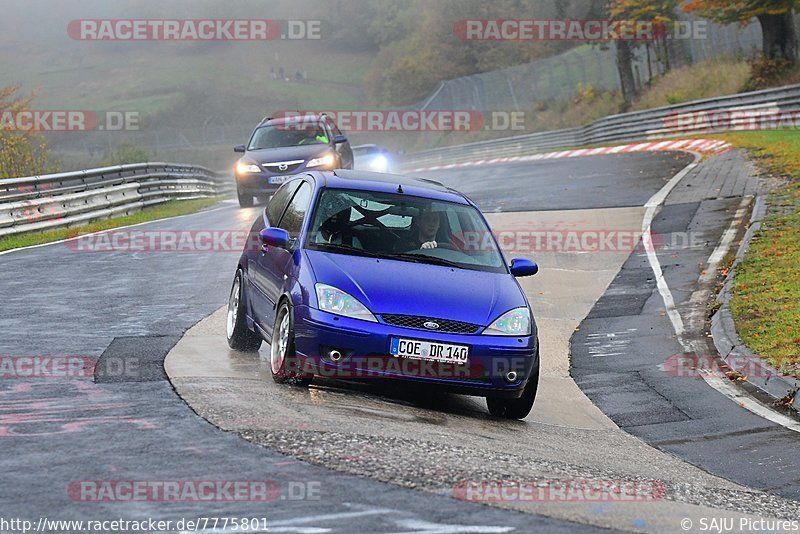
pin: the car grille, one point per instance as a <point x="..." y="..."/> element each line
<point x="445" y="325"/>
<point x="283" y="167"/>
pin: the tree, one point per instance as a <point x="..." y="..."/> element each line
<point x="660" y="14"/>
<point x="775" y="16"/>
<point x="22" y="152"/>
<point x="625" y="69"/>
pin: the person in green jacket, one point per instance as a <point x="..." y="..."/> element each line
<point x="313" y="135"/>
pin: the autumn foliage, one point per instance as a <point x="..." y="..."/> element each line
<point x="775" y="16"/>
<point x="22" y="153"/>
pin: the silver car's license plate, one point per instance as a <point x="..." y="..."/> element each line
<point x="428" y="350"/>
<point x="278" y="179"/>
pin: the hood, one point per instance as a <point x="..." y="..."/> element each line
<point x="288" y="153"/>
<point x="406" y="288"/>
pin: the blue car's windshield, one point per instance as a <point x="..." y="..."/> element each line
<point x="403" y="227"/>
<point x="270" y="136"/>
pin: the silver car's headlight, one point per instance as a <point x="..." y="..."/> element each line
<point x="516" y="322"/>
<point x="328" y="161"/>
<point x="334" y="300"/>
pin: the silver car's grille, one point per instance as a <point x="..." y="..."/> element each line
<point x="283" y="167"/>
<point x="444" y="325"/>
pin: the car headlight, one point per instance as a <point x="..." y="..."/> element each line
<point x="379" y="163"/>
<point x="247" y="168"/>
<point x="334" y="300"/>
<point x="516" y="322"/>
<point x="327" y="161"/>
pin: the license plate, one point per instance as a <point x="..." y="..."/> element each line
<point x="428" y="350"/>
<point x="278" y="179"/>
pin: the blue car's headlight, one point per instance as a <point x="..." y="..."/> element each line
<point x="516" y="322"/>
<point x="334" y="300"/>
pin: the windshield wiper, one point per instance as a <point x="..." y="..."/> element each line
<point x="422" y="258"/>
<point x="345" y="248"/>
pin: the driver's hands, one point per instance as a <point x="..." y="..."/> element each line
<point x="429" y="244"/>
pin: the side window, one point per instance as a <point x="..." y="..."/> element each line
<point x="335" y="130"/>
<point x="279" y="201"/>
<point x="292" y="220"/>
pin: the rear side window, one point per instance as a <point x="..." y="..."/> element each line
<point x="279" y="201"/>
<point x="292" y="220"/>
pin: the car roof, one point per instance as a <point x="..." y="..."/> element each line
<point x="388" y="183"/>
<point x="282" y="120"/>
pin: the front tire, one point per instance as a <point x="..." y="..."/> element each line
<point x="245" y="200"/>
<point x="239" y="336"/>
<point x="516" y="408"/>
<point x="283" y="359"/>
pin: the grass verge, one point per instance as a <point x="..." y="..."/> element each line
<point x="173" y="208"/>
<point x="766" y="291"/>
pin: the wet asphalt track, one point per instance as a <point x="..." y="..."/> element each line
<point x="57" y="301"/>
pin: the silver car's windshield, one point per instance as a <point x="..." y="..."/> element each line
<point x="270" y="136"/>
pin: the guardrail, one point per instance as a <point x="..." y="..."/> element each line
<point x="756" y="110"/>
<point x="60" y="200"/>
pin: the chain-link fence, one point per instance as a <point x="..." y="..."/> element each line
<point x="557" y="77"/>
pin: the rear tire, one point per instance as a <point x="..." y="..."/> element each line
<point x="245" y="200"/>
<point x="516" y="408"/>
<point x="284" y="363"/>
<point x="239" y="336"/>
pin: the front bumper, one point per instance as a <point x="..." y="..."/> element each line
<point x="364" y="347"/>
<point x="258" y="183"/>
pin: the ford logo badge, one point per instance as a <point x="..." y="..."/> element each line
<point x="430" y="325"/>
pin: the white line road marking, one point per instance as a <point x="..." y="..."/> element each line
<point x="652" y="207"/>
<point x="727" y="388"/>
<point x="607" y="344"/>
<point x="722" y="385"/>
<point x="727" y="238"/>
<point x="416" y="526"/>
<point x="409" y="525"/>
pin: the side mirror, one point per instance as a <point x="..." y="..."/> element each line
<point x="522" y="267"/>
<point x="239" y="148"/>
<point x="273" y="237"/>
<point x="339" y="139"/>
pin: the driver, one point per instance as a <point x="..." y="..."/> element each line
<point x="313" y="135"/>
<point x="423" y="232"/>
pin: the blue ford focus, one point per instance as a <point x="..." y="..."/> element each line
<point x="360" y="275"/>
